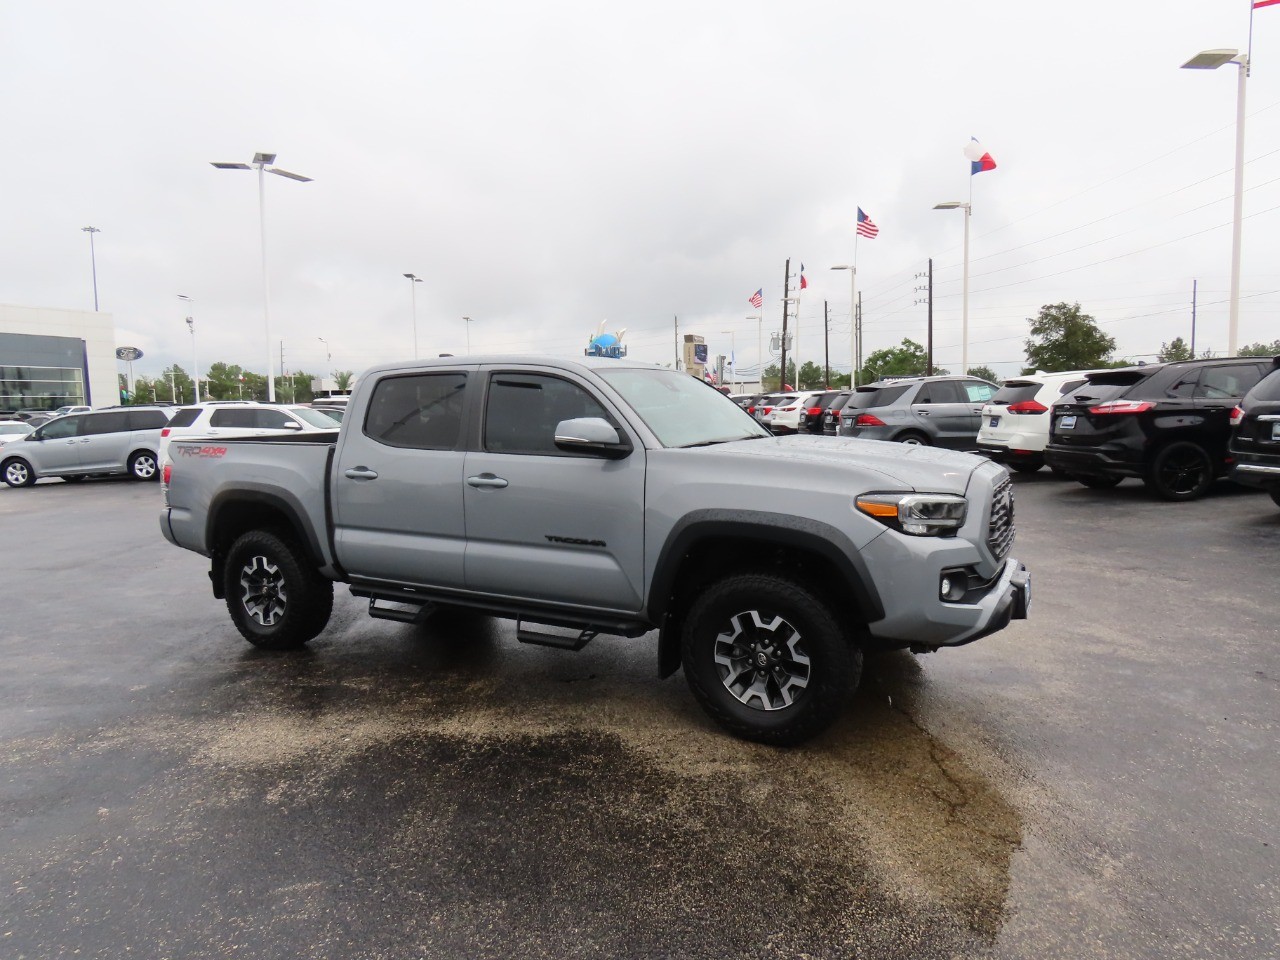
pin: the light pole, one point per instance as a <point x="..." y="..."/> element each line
<point x="413" y="298"/>
<point x="964" y="309"/>
<point x="93" y="263"/>
<point x="195" y="361"/>
<point x="733" y="354"/>
<point x="468" y="319"/>
<point x="328" y="355"/>
<point x="855" y="328"/>
<point x="759" y="319"/>
<point x="262" y="161"/>
<point x="1211" y="60"/>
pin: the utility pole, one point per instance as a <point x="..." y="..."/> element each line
<point x="786" y="295"/>
<point x="858" y="321"/>
<point x="826" y="348"/>
<point x="929" y="349"/>
<point x="1193" y="319"/>
<point x="676" y="321"/>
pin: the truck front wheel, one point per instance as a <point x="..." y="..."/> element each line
<point x="766" y="658"/>
<point x="276" y="598"/>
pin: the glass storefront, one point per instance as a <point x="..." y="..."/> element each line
<point x="40" y="388"/>
<point x="42" y="373"/>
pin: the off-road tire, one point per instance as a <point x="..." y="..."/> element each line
<point x="772" y="610"/>
<point x="17" y="472"/>
<point x="276" y="597"/>
<point x="1181" y="471"/>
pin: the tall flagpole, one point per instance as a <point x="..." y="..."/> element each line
<point x="855" y="334"/>
<point x="795" y="353"/>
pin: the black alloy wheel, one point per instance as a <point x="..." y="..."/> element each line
<point x="1182" y="471"/>
<point x="767" y="659"/>
<point x="276" y="597"/>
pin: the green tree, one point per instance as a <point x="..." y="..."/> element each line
<point x="908" y="359"/>
<point x="144" y="391"/>
<point x="810" y="376"/>
<point x="985" y="373"/>
<point x="342" y="379"/>
<point x="224" y="383"/>
<point x="1177" y="350"/>
<point x="1261" y="349"/>
<point x="178" y="382"/>
<point x="770" y="383"/>
<point x="1063" y="338"/>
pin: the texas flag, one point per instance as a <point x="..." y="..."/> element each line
<point x="979" y="160"/>
<point x="804" y="284"/>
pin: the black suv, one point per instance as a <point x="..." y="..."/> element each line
<point x="815" y="414"/>
<point x="1166" y="423"/>
<point x="1255" y="442"/>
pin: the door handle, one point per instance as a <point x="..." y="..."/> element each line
<point x="977" y="409"/>
<point x="361" y="473"/>
<point x="486" y="480"/>
<point x="923" y="413"/>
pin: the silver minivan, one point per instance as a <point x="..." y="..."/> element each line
<point x="117" y="440"/>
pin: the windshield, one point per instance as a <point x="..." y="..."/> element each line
<point x="314" y="417"/>
<point x="681" y="410"/>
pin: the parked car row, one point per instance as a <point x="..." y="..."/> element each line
<point x="133" y="440"/>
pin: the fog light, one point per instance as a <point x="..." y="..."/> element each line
<point x="953" y="586"/>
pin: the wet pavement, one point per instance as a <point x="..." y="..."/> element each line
<point x="1098" y="781"/>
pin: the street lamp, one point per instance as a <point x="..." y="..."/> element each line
<point x="327" y="355"/>
<point x="964" y="310"/>
<point x="855" y="328"/>
<point x="93" y="262"/>
<point x="733" y="354"/>
<point x="413" y="297"/>
<point x="195" y="362"/>
<point x="468" y="319"/>
<point x="1211" y="60"/>
<point x="262" y="161"/>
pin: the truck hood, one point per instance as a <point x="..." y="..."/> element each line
<point x="901" y="465"/>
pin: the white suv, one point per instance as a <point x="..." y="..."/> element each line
<point x="1015" y="422"/>
<point x="786" y="415"/>
<point x="236" y="419"/>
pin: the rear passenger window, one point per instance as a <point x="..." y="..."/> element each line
<point x="422" y="411"/>
<point x="524" y="409"/>
<point x="1227" y="382"/>
<point x="978" y="392"/>
<point x="240" y="417"/>
<point x="941" y="391"/>
<point x="147" y="419"/>
<point x="101" y="423"/>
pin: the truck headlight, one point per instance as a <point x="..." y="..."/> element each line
<point x="919" y="514"/>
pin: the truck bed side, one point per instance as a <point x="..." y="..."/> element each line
<point x="215" y="489"/>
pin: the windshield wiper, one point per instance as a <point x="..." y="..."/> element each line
<point x="708" y="443"/>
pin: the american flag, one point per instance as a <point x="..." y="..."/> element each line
<point x="866" y="226"/>
<point x="804" y="284"/>
<point x="757" y="298"/>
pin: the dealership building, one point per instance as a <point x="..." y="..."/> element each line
<point x="51" y="357"/>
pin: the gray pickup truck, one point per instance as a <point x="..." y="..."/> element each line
<point x="585" y="497"/>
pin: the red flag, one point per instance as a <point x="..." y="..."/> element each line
<point x="1264" y="3"/>
<point x="804" y="284"/>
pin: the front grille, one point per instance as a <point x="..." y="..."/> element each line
<point x="1000" y="531"/>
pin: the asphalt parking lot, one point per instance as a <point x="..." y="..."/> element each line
<point x="1098" y="781"/>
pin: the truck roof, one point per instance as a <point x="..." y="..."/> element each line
<point x="572" y="363"/>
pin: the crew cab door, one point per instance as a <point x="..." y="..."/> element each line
<point x="543" y="524"/>
<point x="397" y="483"/>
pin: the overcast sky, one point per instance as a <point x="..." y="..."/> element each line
<point x="544" y="166"/>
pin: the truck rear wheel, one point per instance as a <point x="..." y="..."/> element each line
<point x="766" y="658"/>
<point x="276" y="598"/>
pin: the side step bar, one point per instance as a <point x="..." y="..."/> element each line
<point x="562" y="641"/>
<point x="404" y="614"/>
